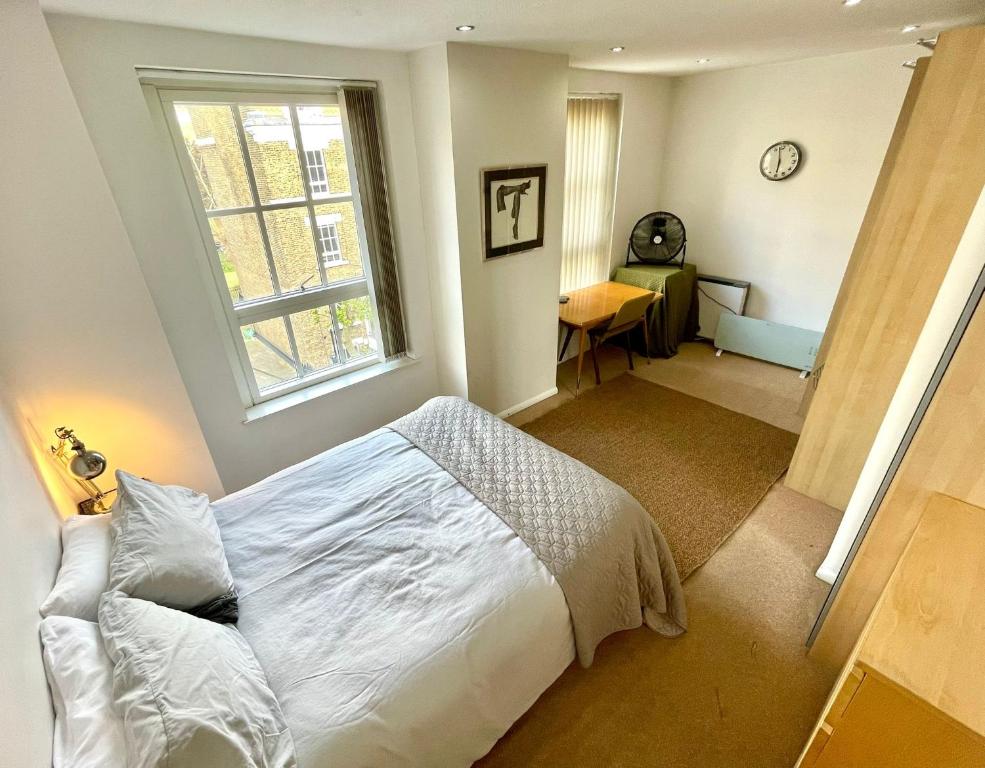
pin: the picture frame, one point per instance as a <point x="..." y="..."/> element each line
<point x="513" y="199"/>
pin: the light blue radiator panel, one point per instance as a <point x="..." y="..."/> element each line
<point x="775" y="343"/>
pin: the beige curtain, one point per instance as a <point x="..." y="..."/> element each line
<point x="589" y="189"/>
<point x="367" y="153"/>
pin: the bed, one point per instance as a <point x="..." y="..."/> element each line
<point x="441" y="626"/>
<point x="409" y="594"/>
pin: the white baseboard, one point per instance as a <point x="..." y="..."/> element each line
<point x="827" y="574"/>
<point x="527" y="403"/>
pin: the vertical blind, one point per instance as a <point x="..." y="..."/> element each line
<point x="589" y="189"/>
<point x="367" y="153"/>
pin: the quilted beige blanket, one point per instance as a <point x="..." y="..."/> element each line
<point x="606" y="552"/>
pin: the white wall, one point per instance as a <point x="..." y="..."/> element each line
<point x="791" y="239"/>
<point x="100" y="57"/>
<point x="436" y="167"/>
<point x="508" y="107"/>
<point x="645" y="125"/>
<point x="81" y="343"/>
<point x="29" y="556"/>
<point x="476" y="106"/>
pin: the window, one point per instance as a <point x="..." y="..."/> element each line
<point x="269" y="174"/>
<point x="328" y="244"/>
<point x="589" y="189"/>
<point x="315" y="160"/>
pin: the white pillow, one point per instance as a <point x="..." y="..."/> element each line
<point x="190" y="691"/>
<point x="84" y="573"/>
<point x="166" y="546"/>
<point x="88" y="732"/>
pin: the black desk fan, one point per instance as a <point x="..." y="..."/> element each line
<point x="657" y="238"/>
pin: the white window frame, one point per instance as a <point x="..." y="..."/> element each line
<point x="268" y="91"/>
<point x="320" y="186"/>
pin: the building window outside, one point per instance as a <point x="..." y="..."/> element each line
<point x="328" y="241"/>
<point x="289" y="259"/>
<point x="315" y="160"/>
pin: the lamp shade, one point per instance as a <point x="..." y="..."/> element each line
<point x="87" y="465"/>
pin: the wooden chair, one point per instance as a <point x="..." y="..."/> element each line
<point x="630" y="314"/>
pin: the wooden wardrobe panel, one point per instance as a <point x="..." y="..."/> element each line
<point x="947" y="456"/>
<point x="928" y="635"/>
<point x="912" y="231"/>
<point x="868" y="223"/>
<point x="884" y="727"/>
<point x="912" y="692"/>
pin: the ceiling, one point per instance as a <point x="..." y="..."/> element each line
<point x="661" y="36"/>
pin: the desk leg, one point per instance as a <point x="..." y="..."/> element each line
<point x="567" y="337"/>
<point x="582" y="337"/>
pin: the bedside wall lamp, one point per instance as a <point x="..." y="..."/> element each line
<point x="84" y="466"/>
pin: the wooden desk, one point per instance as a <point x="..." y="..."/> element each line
<point x="590" y="307"/>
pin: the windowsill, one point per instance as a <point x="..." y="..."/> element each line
<point x="282" y="403"/>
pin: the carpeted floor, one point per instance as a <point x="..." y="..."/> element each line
<point x="698" y="468"/>
<point x="759" y="389"/>
<point x="736" y="691"/>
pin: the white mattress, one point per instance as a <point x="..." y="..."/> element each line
<point x="399" y="621"/>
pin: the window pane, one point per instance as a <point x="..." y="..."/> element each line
<point x="210" y="136"/>
<point x="270" y="352"/>
<point x="314" y="161"/>
<point x="293" y="248"/>
<point x="328" y="245"/>
<point x="321" y="132"/>
<point x="241" y="255"/>
<point x="273" y="152"/>
<point x="313" y="333"/>
<point x="350" y="265"/>
<point x="355" y="318"/>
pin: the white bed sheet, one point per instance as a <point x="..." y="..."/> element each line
<point x="399" y="621"/>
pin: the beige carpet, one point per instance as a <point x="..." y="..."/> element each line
<point x="737" y="691"/>
<point x="768" y="392"/>
<point x="756" y="388"/>
<point x="698" y="468"/>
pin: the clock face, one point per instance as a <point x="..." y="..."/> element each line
<point x="780" y="160"/>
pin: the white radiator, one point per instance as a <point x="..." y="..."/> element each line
<point x="773" y="342"/>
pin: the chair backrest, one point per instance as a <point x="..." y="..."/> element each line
<point x="631" y="310"/>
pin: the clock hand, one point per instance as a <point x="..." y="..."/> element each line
<point x="777" y="171"/>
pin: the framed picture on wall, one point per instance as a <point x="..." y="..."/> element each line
<point x="513" y="209"/>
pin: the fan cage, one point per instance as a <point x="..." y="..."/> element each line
<point x="679" y="251"/>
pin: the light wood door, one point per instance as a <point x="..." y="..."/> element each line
<point x="912" y="230"/>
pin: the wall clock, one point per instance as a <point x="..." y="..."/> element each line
<point x="780" y="160"/>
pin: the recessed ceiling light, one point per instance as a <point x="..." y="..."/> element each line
<point x="703" y="61"/>
<point x="850" y="3"/>
<point x="617" y="49"/>
<point x="910" y="28"/>
<point x="465" y="27"/>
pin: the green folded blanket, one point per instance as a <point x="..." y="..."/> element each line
<point x="675" y="317"/>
